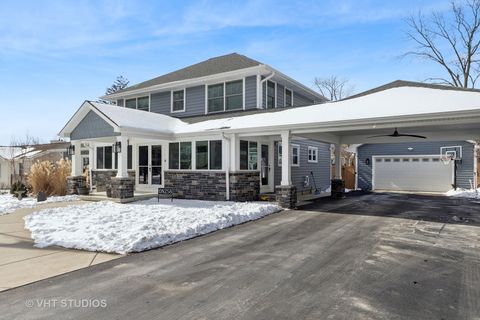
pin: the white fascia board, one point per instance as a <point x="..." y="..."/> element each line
<point x="285" y="77"/>
<point x="188" y="82"/>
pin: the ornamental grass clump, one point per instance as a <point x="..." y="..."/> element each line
<point x="50" y="178"/>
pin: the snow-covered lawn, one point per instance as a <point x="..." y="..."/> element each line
<point x="464" y="193"/>
<point x="9" y="203"/>
<point x="122" y="228"/>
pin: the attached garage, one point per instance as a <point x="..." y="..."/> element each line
<point x="407" y="173"/>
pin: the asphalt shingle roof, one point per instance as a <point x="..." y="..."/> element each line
<point x="226" y="63"/>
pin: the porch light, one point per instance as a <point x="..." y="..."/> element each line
<point x="117" y="147"/>
<point x="71" y="150"/>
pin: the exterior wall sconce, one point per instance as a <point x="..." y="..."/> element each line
<point x="71" y="150"/>
<point x="367" y="161"/>
<point x="117" y="147"/>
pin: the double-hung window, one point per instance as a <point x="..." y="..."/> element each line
<point x="248" y="155"/>
<point x="225" y="96"/>
<point x="178" y="101"/>
<point x="208" y="155"/>
<point x="180" y="155"/>
<point x="295" y="151"/>
<point x="104" y="157"/>
<point x="312" y="154"/>
<point x="288" y="98"/>
<point x="270" y="94"/>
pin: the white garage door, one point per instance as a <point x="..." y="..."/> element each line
<point x="403" y="173"/>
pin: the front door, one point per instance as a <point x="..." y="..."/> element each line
<point x="150" y="165"/>
<point x="266" y="182"/>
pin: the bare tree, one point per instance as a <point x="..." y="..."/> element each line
<point x="452" y="42"/>
<point x="119" y="84"/>
<point x="17" y="150"/>
<point x="334" y="87"/>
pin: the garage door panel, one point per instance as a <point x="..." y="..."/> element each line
<point x="412" y="174"/>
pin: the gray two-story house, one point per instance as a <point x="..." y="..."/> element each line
<point x="138" y="142"/>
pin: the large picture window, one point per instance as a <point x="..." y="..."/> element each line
<point x="178" y="101"/>
<point x="208" y="155"/>
<point x="248" y="155"/>
<point x="180" y="155"/>
<point x="104" y="158"/>
<point x="225" y="96"/>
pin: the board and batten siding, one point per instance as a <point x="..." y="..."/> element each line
<point x="321" y="169"/>
<point x="92" y="126"/>
<point x="465" y="169"/>
<point x="251" y="92"/>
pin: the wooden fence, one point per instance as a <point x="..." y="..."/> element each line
<point x="348" y="175"/>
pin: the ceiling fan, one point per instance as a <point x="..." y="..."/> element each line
<point x="396" y="134"/>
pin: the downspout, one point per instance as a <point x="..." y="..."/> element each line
<point x="227" y="169"/>
<point x="261" y="86"/>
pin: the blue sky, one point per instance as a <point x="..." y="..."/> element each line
<point x="56" y="54"/>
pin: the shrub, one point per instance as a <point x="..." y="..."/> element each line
<point x="49" y="178"/>
<point x="18" y="188"/>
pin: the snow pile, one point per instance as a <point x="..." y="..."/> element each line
<point x="112" y="227"/>
<point x="464" y="193"/>
<point x="9" y="203"/>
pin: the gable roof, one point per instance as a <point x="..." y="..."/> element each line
<point x="403" y="83"/>
<point x="225" y="63"/>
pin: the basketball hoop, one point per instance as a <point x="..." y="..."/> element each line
<point x="446" y="158"/>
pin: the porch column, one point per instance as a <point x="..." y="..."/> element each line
<point x="122" y="171"/>
<point x="286" y="159"/>
<point x="77" y="166"/>
<point x="286" y="193"/>
<point x="338" y="161"/>
<point x="233" y="152"/>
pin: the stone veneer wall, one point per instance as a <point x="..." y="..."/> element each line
<point x="286" y="196"/>
<point x="201" y="185"/>
<point x="211" y="185"/>
<point x="101" y="178"/>
<point x="74" y="182"/>
<point x="244" y="186"/>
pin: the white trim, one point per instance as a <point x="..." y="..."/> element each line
<point x="374" y="157"/>
<point x="315" y="153"/>
<point x="285" y="95"/>
<point x="243" y="91"/>
<point x="184" y="100"/>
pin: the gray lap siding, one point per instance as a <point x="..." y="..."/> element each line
<point x="321" y="169"/>
<point x="465" y="169"/>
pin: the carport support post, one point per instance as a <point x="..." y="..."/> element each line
<point x="76" y="180"/>
<point x="338" y="161"/>
<point x="122" y="185"/>
<point x="286" y="193"/>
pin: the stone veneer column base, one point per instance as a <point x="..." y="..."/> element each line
<point x="122" y="188"/>
<point x="75" y="182"/>
<point x="286" y="196"/>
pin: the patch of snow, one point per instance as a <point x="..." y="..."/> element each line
<point x="464" y="193"/>
<point x="122" y="228"/>
<point x="9" y="203"/>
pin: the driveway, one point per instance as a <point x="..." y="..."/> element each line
<point x="339" y="260"/>
<point x="21" y="263"/>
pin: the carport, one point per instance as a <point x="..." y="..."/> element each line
<point x="437" y="112"/>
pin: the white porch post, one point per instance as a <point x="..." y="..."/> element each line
<point x="233" y="152"/>
<point x="77" y="166"/>
<point x="338" y="161"/>
<point x="122" y="171"/>
<point x="286" y="159"/>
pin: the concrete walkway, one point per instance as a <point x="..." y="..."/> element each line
<point x="21" y="263"/>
